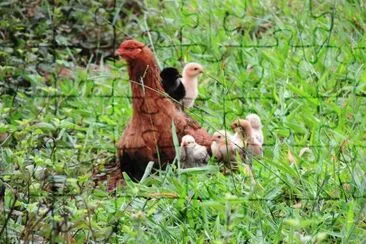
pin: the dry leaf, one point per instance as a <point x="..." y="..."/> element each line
<point x="291" y="157"/>
<point x="304" y="150"/>
<point x="297" y="205"/>
<point x="346" y="187"/>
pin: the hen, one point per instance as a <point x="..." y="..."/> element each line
<point x="148" y="135"/>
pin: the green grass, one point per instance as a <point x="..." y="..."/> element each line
<point x="306" y="79"/>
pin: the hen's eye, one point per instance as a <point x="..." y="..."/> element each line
<point x="196" y="68"/>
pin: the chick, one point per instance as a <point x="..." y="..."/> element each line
<point x="192" y="154"/>
<point x="191" y="72"/>
<point x="222" y="147"/>
<point x="238" y="144"/>
<point x="172" y="83"/>
<point x="244" y="130"/>
<point x="256" y="124"/>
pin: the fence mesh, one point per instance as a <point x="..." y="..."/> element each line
<point x="65" y="99"/>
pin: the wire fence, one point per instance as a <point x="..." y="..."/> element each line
<point x="52" y="47"/>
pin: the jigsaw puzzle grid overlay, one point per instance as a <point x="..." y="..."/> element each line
<point x="65" y="99"/>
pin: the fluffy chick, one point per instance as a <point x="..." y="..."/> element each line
<point x="222" y="147"/>
<point x="192" y="154"/>
<point x="172" y="84"/>
<point x="191" y="72"/>
<point x="238" y="143"/>
<point x="256" y="124"/>
<point x="244" y="130"/>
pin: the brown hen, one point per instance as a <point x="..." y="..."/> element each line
<point x="148" y="135"/>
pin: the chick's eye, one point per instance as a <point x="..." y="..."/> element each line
<point x="196" y="68"/>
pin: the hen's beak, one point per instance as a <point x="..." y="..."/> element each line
<point x="118" y="52"/>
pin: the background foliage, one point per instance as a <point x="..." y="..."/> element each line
<point x="65" y="101"/>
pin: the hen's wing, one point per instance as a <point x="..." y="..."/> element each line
<point x="185" y="125"/>
<point x="191" y="123"/>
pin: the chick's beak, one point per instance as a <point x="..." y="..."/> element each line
<point x="184" y="144"/>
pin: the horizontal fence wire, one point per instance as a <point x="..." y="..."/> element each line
<point x="53" y="145"/>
